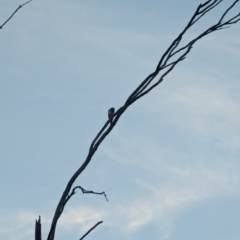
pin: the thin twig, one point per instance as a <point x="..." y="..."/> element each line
<point x="90" y="230"/>
<point x="20" y="6"/>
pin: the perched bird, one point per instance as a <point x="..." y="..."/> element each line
<point x="111" y="113"/>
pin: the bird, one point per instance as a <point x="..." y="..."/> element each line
<point x="111" y="112"/>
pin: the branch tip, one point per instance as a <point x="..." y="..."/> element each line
<point x="20" y="6"/>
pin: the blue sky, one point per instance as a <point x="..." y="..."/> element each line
<point x="171" y="165"/>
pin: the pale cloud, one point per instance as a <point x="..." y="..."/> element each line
<point x="16" y="225"/>
<point x="81" y="217"/>
<point x="204" y="110"/>
<point x="163" y="204"/>
<point x="177" y="181"/>
<point x="228" y="45"/>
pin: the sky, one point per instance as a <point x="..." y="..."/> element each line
<point x="170" y="167"/>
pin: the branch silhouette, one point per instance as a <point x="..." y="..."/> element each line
<point x="84" y="192"/>
<point x="90" y="230"/>
<point x="20" y="6"/>
<point x="165" y="65"/>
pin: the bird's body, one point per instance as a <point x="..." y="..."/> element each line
<point x="111" y="112"/>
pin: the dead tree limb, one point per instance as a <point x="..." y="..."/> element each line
<point x="20" y="6"/>
<point x="171" y="57"/>
<point x="38" y="231"/>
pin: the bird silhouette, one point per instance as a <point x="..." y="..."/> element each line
<point x="111" y="112"/>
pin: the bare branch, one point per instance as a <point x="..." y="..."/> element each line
<point x="98" y="135"/>
<point x="20" y="6"/>
<point x="89" y="192"/>
<point x="90" y="230"/>
<point x="166" y="63"/>
<point x="207" y="9"/>
<point x="228" y="11"/>
<point x="204" y="4"/>
<point x="171" y="51"/>
<point x="210" y="6"/>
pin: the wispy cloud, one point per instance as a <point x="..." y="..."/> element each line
<point x="81" y="217"/>
<point x="163" y="203"/>
<point x="16" y="225"/>
<point x="170" y="182"/>
<point x="202" y="106"/>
